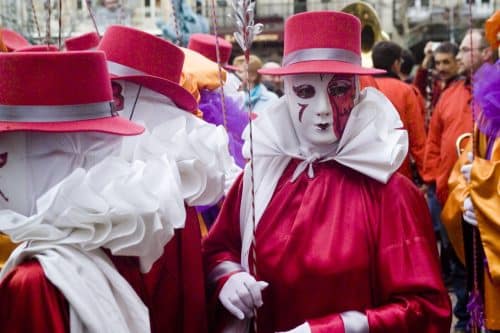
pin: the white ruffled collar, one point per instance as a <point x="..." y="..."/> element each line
<point x="373" y="142"/>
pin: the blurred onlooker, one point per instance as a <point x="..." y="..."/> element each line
<point x="110" y="12"/>
<point x="407" y="64"/>
<point x="273" y="83"/>
<point x="186" y="23"/>
<point x="260" y="96"/>
<point x="432" y="81"/>
<point x="387" y="55"/>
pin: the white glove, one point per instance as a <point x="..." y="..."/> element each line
<point x="468" y="214"/>
<point x="304" y="328"/>
<point x="241" y="294"/>
<point x="355" y="322"/>
<point x="466" y="168"/>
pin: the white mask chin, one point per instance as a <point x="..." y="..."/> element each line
<point x="32" y="162"/>
<point x="312" y="101"/>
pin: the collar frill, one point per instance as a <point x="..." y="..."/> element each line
<point x="373" y="143"/>
<point x="200" y="150"/>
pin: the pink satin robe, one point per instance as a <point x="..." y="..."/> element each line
<point x="338" y="242"/>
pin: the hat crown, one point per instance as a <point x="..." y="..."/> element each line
<point x="54" y="78"/>
<point x="143" y="52"/>
<point x="323" y="29"/>
<point x="205" y="44"/>
<point x="87" y="41"/>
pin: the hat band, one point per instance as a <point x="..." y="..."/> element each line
<point x="55" y="113"/>
<point x="322" y="54"/>
<point x="122" y="70"/>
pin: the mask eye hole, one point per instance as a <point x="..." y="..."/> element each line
<point x="3" y="159"/>
<point x="304" y="91"/>
<point x="339" y="88"/>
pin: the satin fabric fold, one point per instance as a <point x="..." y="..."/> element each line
<point x="484" y="191"/>
<point x="367" y="247"/>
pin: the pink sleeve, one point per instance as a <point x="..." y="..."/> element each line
<point x="410" y="293"/>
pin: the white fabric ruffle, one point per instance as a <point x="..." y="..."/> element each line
<point x="200" y="150"/>
<point x="129" y="208"/>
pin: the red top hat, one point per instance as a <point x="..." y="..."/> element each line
<point x="38" y="48"/>
<point x="322" y="42"/>
<point x="75" y="97"/>
<point x="87" y="41"/>
<point x="205" y="44"/>
<point x="142" y="58"/>
<point x="13" y="40"/>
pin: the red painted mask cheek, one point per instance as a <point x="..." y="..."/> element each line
<point x="341" y="98"/>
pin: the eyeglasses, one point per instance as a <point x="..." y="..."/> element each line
<point x="466" y="49"/>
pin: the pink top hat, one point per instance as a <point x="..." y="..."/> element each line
<point x="205" y="44"/>
<point x="322" y="42"/>
<point x="142" y="58"/>
<point x="38" y="48"/>
<point x="75" y="96"/>
<point x="87" y="41"/>
<point x="13" y="40"/>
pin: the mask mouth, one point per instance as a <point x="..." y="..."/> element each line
<point x="322" y="127"/>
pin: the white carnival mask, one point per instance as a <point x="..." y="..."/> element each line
<point x="143" y="105"/>
<point x="33" y="162"/>
<point x="319" y="106"/>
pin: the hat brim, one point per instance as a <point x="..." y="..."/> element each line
<point x="180" y="96"/>
<point x="113" y="125"/>
<point x="321" y="66"/>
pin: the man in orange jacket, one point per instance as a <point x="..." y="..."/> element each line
<point x="387" y="55"/>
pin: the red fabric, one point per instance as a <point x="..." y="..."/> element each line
<point x="173" y="290"/>
<point x="159" y="60"/>
<point x="451" y="118"/>
<point x="421" y="82"/>
<point x="340" y="242"/>
<point x="205" y="44"/>
<point x="367" y="81"/>
<point x="87" y="41"/>
<point x="38" y="48"/>
<point x="410" y="110"/>
<point x="338" y="30"/>
<point x="30" y="303"/>
<point x="13" y="40"/>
